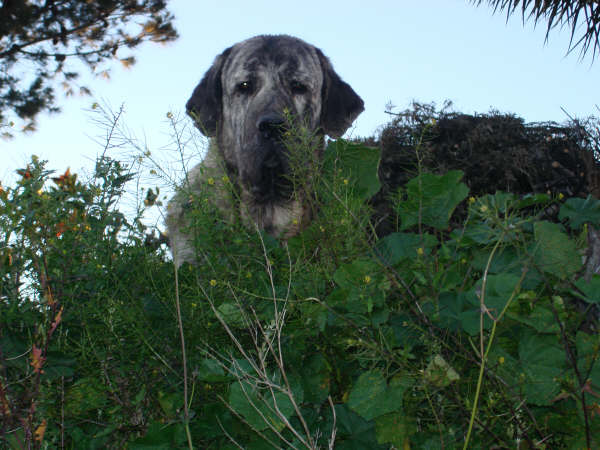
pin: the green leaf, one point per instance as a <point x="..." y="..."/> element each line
<point x="160" y="436"/>
<point x="590" y="292"/>
<point x="498" y="290"/>
<point x="588" y="356"/>
<point x="579" y="211"/>
<point x="397" y="247"/>
<point x="254" y="403"/>
<point x="86" y="394"/>
<point x="555" y="252"/>
<point x="232" y="314"/>
<point x="354" y="433"/>
<point x="431" y="199"/>
<point x="372" y="397"/>
<point x="440" y="373"/>
<point x="542" y="362"/>
<point x="170" y="403"/>
<point x="316" y="378"/>
<point x="541" y="319"/>
<point x="58" y="365"/>
<point x="356" y="163"/>
<point x="210" y="370"/>
<point x="357" y="274"/>
<point x="394" y="428"/>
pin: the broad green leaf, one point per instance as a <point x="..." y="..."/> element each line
<point x="353" y="432"/>
<point x="591" y="290"/>
<point x="357" y="163"/>
<point x="542" y="362"/>
<point x="555" y="253"/>
<point x="498" y="290"/>
<point x="210" y="370"/>
<point x="431" y="199"/>
<point x="160" y="436"/>
<point x="232" y="315"/>
<point x="394" y="428"/>
<point x="316" y="378"/>
<point x="397" y="247"/>
<point x="498" y="201"/>
<point x="588" y="356"/>
<point x="372" y="397"/>
<point x="579" y="211"/>
<point x="540" y="319"/>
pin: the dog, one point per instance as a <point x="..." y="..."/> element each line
<point x="243" y="104"/>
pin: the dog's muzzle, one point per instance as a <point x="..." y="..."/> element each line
<point x="270" y="181"/>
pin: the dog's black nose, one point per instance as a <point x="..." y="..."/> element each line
<point x="270" y="126"/>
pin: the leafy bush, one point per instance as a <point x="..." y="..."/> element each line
<point x="481" y="335"/>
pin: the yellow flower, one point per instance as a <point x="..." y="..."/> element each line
<point x="295" y="221"/>
<point x="483" y="208"/>
<point x="213" y="283"/>
<point x="248" y="274"/>
<point x="169" y="115"/>
<point x="501" y="360"/>
<point x="210" y="181"/>
<point x="471" y="199"/>
<point x="225" y="179"/>
<point x="561" y="196"/>
<point x="367" y="279"/>
<point x="420" y="251"/>
<point x="346" y="181"/>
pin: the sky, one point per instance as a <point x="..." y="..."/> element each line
<point x="388" y="51"/>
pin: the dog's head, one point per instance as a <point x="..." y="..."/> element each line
<point x="246" y="97"/>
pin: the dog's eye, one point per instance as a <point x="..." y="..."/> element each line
<point x="298" y="88"/>
<point x="244" y="87"/>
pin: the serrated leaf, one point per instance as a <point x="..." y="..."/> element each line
<point x="579" y="211"/>
<point x="431" y="199"/>
<point x="555" y="252"/>
<point x="372" y="397"/>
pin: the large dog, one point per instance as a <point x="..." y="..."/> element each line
<point x="243" y="103"/>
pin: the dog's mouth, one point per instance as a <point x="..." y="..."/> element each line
<point x="273" y="184"/>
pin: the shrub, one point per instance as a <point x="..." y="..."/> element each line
<point x="477" y="332"/>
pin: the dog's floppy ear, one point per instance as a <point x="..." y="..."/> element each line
<point x="205" y="104"/>
<point x="341" y="105"/>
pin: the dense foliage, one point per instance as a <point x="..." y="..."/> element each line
<point x="482" y="334"/>
<point x="40" y="39"/>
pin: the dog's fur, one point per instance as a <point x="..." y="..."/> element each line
<point x="242" y="103"/>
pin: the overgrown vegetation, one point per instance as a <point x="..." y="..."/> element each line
<point x="479" y="332"/>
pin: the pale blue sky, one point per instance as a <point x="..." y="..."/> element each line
<point x="427" y="50"/>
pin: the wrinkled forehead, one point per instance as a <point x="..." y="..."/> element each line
<point x="284" y="56"/>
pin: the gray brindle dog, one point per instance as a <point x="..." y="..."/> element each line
<point x="242" y="103"/>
